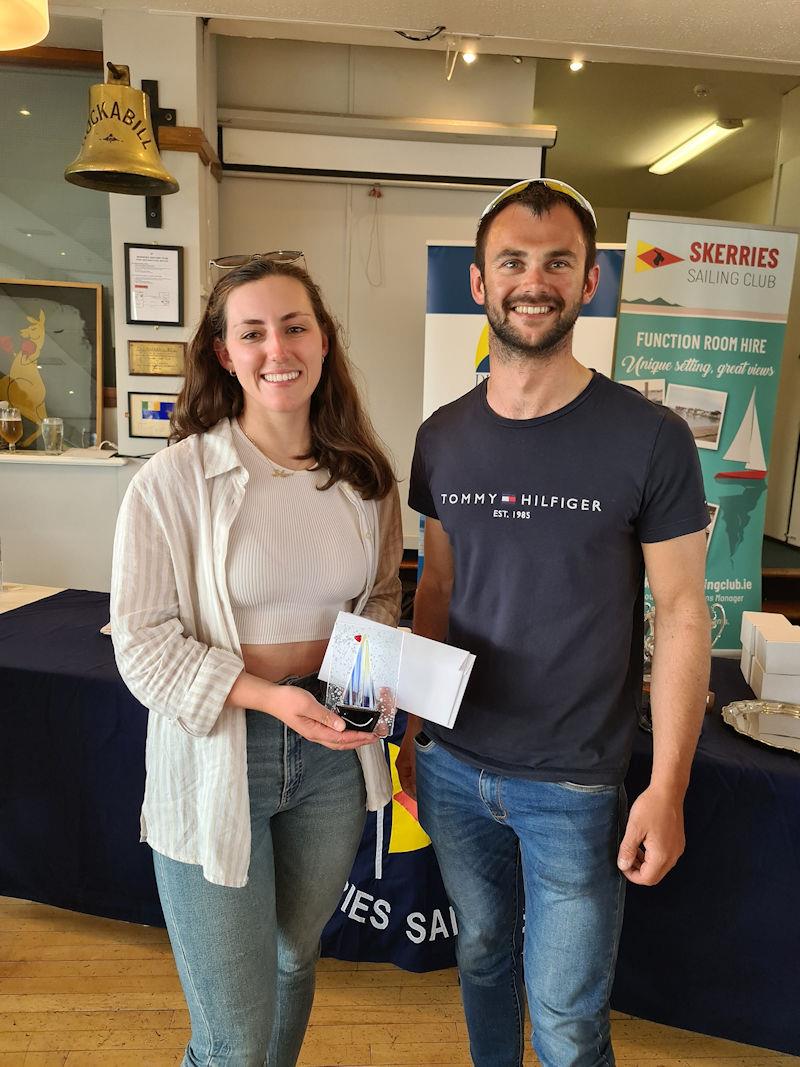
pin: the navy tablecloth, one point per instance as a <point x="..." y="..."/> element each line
<point x="714" y="948"/>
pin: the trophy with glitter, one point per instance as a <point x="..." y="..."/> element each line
<point x="363" y="668"/>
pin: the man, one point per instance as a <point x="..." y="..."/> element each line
<point x="548" y="491"/>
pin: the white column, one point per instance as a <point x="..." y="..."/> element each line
<point x="177" y="52"/>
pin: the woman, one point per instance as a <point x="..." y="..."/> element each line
<point x="235" y="549"/>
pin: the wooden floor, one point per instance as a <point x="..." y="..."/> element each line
<point x="76" y="991"/>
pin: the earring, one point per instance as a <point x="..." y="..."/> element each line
<point x="232" y="373"/>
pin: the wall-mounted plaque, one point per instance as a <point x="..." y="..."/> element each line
<point x="164" y="358"/>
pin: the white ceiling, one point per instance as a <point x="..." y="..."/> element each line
<point x="634" y="100"/>
<point x="738" y="34"/>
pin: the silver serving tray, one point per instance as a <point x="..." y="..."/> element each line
<point x="745" y="716"/>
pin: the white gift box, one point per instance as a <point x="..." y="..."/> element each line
<point x="778" y="647"/>
<point x="776" y="725"/>
<point x="752" y="621"/>
<point x="747" y="664"/>
<point x="768" y="686"/>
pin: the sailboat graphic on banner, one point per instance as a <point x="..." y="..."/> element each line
<point x="747" y="448"/>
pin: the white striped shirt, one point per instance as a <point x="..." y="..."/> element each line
<point x="177" y="648"/>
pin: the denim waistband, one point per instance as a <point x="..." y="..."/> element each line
<point x="310" y="682"/>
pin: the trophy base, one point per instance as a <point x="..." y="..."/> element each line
<point x="355" y="718"/>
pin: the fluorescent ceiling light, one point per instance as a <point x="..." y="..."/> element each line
<point x="701" y="142"/>
<point x="23" y="23"/>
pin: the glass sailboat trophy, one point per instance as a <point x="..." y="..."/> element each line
<point x="365" y="668"/>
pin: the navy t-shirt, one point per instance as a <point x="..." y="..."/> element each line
<point x="546" y="518"/>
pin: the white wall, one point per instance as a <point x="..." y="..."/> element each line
<point x="754" y="204"/>
<point x="58" y="518"/>
<point x="783" y="510"/>
<point x="369" y="256"/>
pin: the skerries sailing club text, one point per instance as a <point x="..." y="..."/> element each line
<point x="733" y="255"/>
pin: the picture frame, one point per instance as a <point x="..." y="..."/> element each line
<point x="51" y="356"/>
<point x="149" y="415"/>
<point x="153" y="285"/>
<point x="156" y="358"/>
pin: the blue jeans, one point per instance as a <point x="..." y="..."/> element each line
<point x="502" y="841"/>
<point x="246" y="957"/>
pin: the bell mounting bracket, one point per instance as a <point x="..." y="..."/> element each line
<point x="159" y="116"/>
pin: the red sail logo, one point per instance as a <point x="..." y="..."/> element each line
<point x="648" y="257"/>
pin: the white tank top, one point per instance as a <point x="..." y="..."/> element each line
<point x="295" y="556"/>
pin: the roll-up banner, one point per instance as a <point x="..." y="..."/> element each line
<point x="701" y="325"/>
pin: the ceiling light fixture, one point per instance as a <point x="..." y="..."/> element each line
<point x="23" y="23"/>
<point x="24" y="111"/>
<point x="458" y="44"/>
<point x="576" y="65"/>
<point x="700" y="142"/>
<point x="469" y="51"/>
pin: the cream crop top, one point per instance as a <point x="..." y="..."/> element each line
<point x="295" y="557"/>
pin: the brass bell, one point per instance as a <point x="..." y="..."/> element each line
<point x="119" y="152"/>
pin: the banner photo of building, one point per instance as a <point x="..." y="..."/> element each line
<point x="701" y="325"/>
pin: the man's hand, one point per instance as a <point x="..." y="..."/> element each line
<point x="654" y="840"/>
<point x="407" y="758"/>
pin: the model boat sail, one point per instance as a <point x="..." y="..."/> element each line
<point x="358" y="706"/>
<point x="747" y="448"/>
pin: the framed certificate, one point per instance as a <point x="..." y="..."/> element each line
<point x="150" y="413"/>
<point x="153" y="285"/>
<point x="156" y="358"/>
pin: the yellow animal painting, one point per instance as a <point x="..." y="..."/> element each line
<point x="23" y="386"/>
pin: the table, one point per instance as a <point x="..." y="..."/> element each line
<point x="715" y="948"/>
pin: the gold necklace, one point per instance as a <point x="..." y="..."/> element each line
<point x="277" y="471"/>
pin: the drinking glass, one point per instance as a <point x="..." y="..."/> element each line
<point x="53" y="435"/>
<point x="10" y="427"/>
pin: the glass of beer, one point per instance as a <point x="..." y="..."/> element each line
<point x="10" y="427"/>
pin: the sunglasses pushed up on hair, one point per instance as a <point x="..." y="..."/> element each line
<point x="278" y="255"/>
<point x="551" y="183"/>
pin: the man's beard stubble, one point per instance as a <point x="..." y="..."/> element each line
<point x="515" y="344"/>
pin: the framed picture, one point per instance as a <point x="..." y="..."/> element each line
<point x="156" y="358"/>
<point x="149" y="414"/>
<point x="153" y="285"/>
<point x="51" y="356"/>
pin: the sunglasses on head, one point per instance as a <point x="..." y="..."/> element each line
<point x="279" y="255"/>
<point x="551" y="183"/>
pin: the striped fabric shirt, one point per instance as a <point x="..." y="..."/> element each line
<point x="178" y="652"/>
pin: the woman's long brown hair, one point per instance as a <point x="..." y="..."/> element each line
<point x="343" y="440"/>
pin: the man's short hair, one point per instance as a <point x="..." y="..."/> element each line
<point x="540" y="200"/>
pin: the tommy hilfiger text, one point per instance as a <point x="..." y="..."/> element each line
<point x="527" y="500"/>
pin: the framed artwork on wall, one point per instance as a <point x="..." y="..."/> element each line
<point x="51" y="356"/>
<point x="153" y="285"/>
<point x="150" y="414"/>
